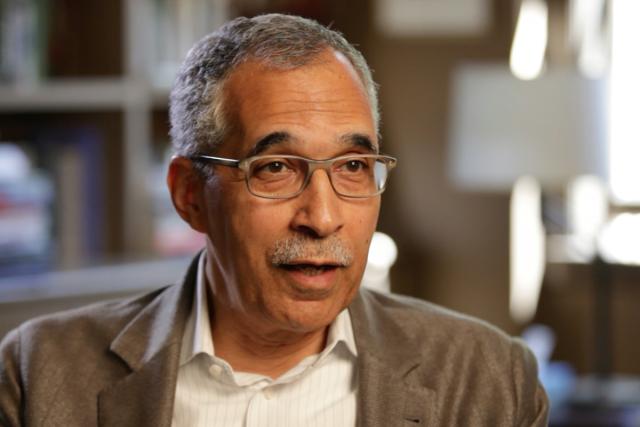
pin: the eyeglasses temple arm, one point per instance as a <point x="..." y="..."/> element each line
<point x="218" y="160"/>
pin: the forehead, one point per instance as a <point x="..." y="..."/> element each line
<point x="316" y="105"/>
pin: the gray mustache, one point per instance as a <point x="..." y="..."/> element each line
<point x="286" y="251"/>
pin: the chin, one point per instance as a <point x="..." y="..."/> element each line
<point x="304" y="326"/>
<point x="310" y="316"/>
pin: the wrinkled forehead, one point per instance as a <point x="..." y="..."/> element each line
<point x="254" y="66"/>
<point x="280" y="140"/>
<point x="322" y="100"/>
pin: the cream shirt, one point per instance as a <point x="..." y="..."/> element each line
<point x="319" y="391"/>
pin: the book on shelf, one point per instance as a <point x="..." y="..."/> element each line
<point x="77" y="159"/>
<point x="23" y="40"/>
<point x="171" y="235"/>
<point x="52" y="201"/>
<point x="177" y="25"/>
<point x="25" y="220"/>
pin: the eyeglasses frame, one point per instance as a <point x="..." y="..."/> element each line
<point x="313" y="165"/>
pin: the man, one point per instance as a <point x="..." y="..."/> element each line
<point x="275" y="123"/>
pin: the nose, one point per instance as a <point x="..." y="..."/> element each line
<point x="319" y="212"/>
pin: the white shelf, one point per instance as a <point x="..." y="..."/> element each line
<point x="125" y="278"/>
<point x="70" y="94"/>
<point x="23" y="298"/>
<point x="135" y="94"/>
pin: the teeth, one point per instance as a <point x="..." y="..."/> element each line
<point x="312" y="271"/>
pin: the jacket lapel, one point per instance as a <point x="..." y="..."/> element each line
<point x="150" y="346"/>
<point x="145" y="397"/>
<point x="391" y="392"/>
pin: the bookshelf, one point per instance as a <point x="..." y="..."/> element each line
<point x="70" y="94"/>
<point x="84" y="90"/>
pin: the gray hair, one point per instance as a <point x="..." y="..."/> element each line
<point x="196" y="106"/>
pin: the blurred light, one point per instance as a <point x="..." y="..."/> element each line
<point x="587" y="211"/>
<point x="619" y="241"/>
<point x="586" y="35"/>
<point x="579" y="13"/>
<point x="383" y="251"/>
<point x="624" y="137"/>
<point x="382" y="255"/>
<point x="527" y="247"/>
<point x="592" y="59"/>
<point x="587" y="205"/>
<point x="530" y="40"/>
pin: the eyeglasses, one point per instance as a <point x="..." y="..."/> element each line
<point x="286" y="176"/>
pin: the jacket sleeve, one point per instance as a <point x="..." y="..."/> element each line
<point x="532" y="402"/>
<point x="10" y="383"/>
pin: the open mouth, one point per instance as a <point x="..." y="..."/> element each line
<point x="309" y="269"/>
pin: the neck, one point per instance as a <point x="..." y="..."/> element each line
<point x="249" y="348"/>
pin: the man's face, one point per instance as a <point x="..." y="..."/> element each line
<point x="317" y="111"/>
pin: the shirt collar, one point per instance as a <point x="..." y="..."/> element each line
<point x="197" y="334"/>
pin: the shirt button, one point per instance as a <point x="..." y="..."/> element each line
<point x="268" y="393"/>
<point x="215" y="370"/>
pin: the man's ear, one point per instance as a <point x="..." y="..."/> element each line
<point x="186" y="186"/>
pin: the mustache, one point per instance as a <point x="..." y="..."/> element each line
<point x="300" y="247"/>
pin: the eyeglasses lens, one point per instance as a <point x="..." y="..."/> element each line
<point x="282" y="177"/>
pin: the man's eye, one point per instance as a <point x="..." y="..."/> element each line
<point x="274" y="167"/>
<point x="355" y="165"/>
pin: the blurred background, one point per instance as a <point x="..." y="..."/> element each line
<point x="516" y="199"/>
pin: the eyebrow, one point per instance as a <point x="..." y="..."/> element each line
<point x="359" y="140"/>
<point x="269" y="140"/>
<point x="274" y="138"/>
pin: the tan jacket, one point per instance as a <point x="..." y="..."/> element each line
<point x="116" y="363"/>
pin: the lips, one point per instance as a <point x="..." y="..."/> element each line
<point x="310" y="269"/>
<point x="312" y="279"/>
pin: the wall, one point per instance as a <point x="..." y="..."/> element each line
<point x="453" y="244"/>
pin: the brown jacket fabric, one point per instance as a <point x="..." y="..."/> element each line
<point x="116" y="364"/>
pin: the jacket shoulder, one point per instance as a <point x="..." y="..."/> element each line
<point x="84" y="333"/>
<point x="419" y="318"/>
<point x="467" y="361"/>
<point x="99" y="321"/>
<point x="66" y="354"/>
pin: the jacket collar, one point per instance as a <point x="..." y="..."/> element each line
<point x="391" y="390"/>
<point x="150" y="346"/>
